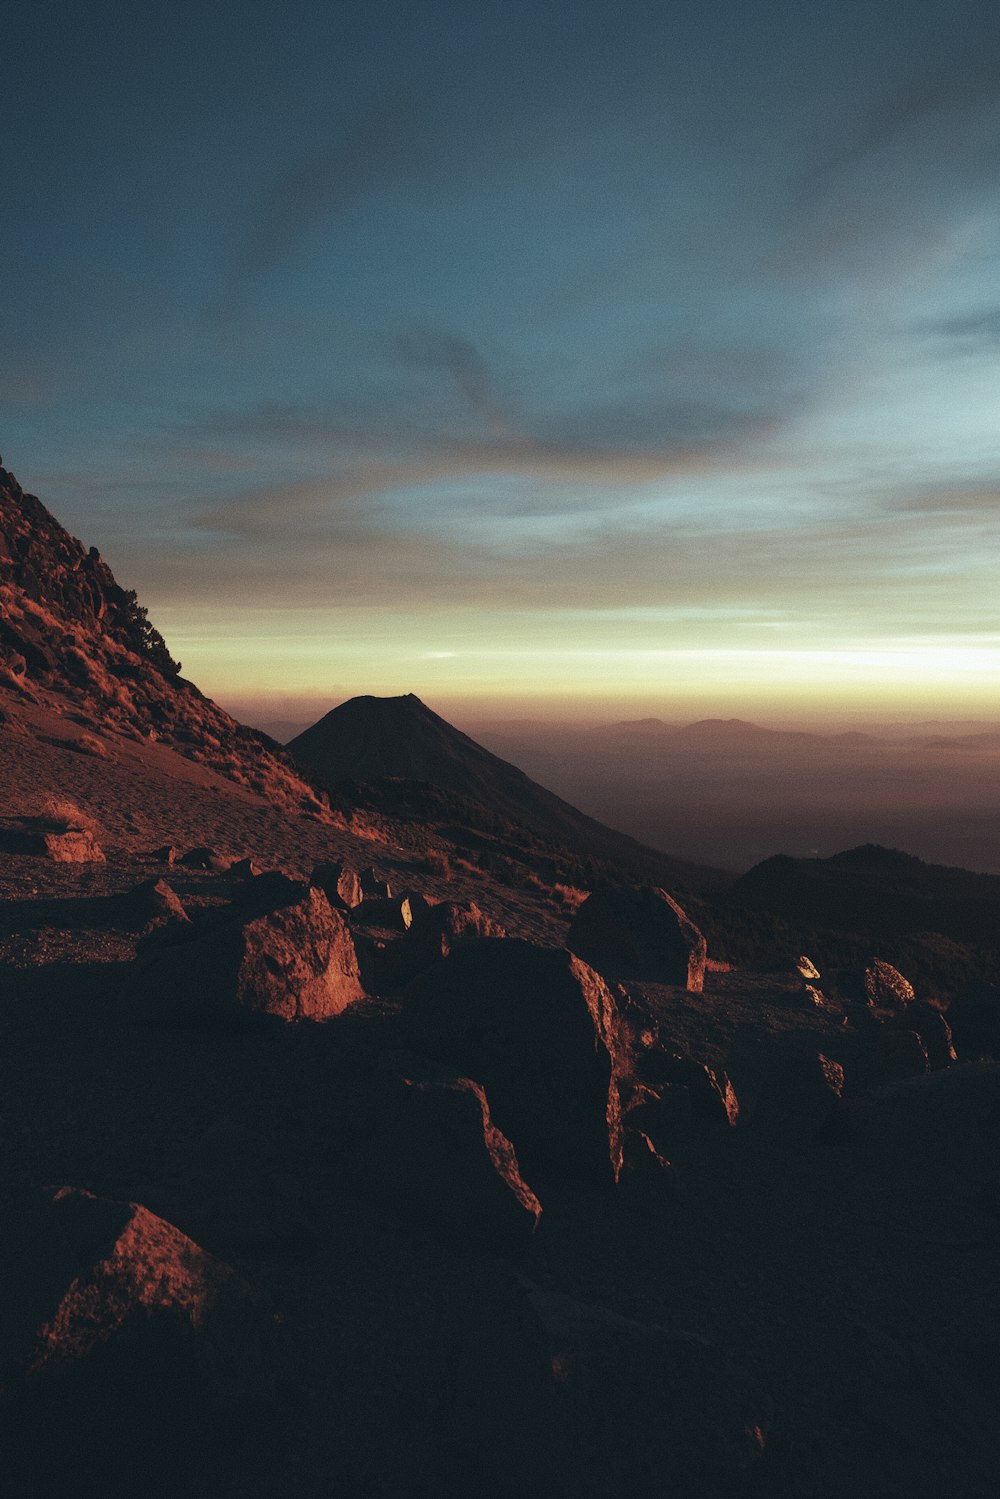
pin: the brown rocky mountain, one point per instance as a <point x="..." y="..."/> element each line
<point x="68" y="629"/>
<point x="385" y="748"/>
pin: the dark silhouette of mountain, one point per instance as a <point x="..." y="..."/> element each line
<point x="390" y="750"/>
<point x="876" y="891"/>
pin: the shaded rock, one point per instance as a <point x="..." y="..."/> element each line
<point x="439" y="1165"/>
<point x="124" y="1333"/>
<point x="165" y="854"/>
<point x="711" y="1094"/>
<point x="886" y="988"/>
<point x="934" y="1033"/>
<point x="205" y="858"/>
<point x="385" y="913"/>
<point x="638" y="932"/>
<point x="647" y="1410"/>
<point x="266" y="892"/>
<point x="431" y="933"/>
<point x="646" y="1177"/>
<point x="660" y="1112"/>
<point x="974" y="1017"/>
<point x="227" y="1190"/>
<point x="951" y="1117"/>
<point x="936" y="1419"/>
<point x="891" y="1055"/>
<point x="808" y="1088"/>
<point x="340" y="884"/>
<point x="296" y="962"/>
<point x="152" y="903"/>
<point x="373" y="887"/>
<point x="536" y="1027"/>
<point x="245" y="869"/>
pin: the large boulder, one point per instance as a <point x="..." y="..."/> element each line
<point x="974" y="1018"/>
<point x="117" y="1335"/>
<point x="296" y="962"/>
<point x="638" y="932"/>
<point x="537" y="1028"/>
<point x="886" y="988"/>
<point x="339" y="883"/>
<point x="437" y="1163"/>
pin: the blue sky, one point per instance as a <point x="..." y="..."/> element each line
<point x="566" y="353"/>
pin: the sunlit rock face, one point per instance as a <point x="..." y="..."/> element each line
<point x="294" y="962"/>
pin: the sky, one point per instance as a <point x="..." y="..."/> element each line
<point x="549" y="357"/>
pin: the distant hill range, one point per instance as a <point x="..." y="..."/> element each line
<point x="876" y="891"/>
<point x="397" y="755"/>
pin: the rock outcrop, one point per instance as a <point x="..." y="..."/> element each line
<point x="439" y="1166"/>
<point x="537" y="1028"/>
<point x="638" y="932"/>
<point x="295" y="962"/>
<point x="117" y="1335"/>
<point x="66" y="624"/>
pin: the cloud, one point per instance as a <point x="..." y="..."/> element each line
<point x="460" y="360"/>
<point x="962" y="82"/>
<point x="981" y="327"/>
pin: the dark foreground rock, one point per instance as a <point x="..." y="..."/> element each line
<point x="117" y="1335"/>
<point x="438" y="1165"/>
<point x="648" y="1411"/>
<point x="295" y="962"/>
<point x="638" y="932"/>
<point x="537" y="1028"/>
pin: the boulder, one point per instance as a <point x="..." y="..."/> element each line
<point x="373" y="887"/>
<point x="117" y="1333"/>
<point x="808" y="1088"/>
<point x="934" y="1032"/>
<point x="886" y="988"/>
<point x="340" y="884"/>
<point x="151" y="904"/>
<point x="537" y="1028"/>
<point x="638" y="932"/>
<point x="165" y="854"/>
<point x="296" y="962"/>
<point x="712" y="1096"/>
<point x="438" y="1164"/>
<point x="646" y="1177"/>
<point x="648" y="1411"/>
<point x="974" y="1017"/>
<point x="659" y="1112"/>
<point x="245" y="869"/>
<point x="890" y="1054"/>
<point x="431" y="931"/>
<point x="385" y="913"/>
<point x="72" y="847"/>
<point x="203" y="857"/>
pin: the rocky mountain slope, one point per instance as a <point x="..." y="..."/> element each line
<point x="68" y="628"/>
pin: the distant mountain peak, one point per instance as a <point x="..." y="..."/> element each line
<point x="371" y="740"/>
